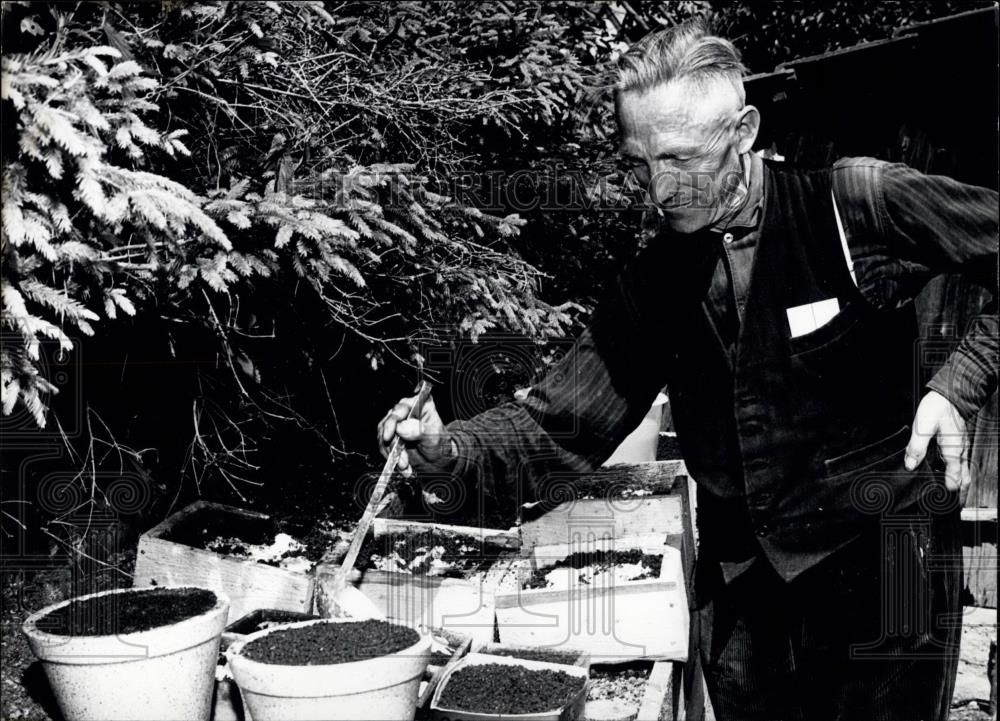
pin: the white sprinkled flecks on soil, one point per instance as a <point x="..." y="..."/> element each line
<point x="561" y="579"/>
<point x="281" y="550"/>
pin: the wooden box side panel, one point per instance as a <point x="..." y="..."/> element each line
<point x="579" y="522"/>
<point x="640" y="620"/>
<point x="249" y="585"/>
<point x="455" y="605"/>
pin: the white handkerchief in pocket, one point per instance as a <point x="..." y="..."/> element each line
<point x="803" y="319"/>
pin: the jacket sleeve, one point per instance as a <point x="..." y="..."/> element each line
<point x="930" y="224"/>
<point x="577" y="414"/>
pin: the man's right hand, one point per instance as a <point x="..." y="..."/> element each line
<point x="426" y="441"/>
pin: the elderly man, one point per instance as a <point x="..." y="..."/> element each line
<point x="776" y="305"/>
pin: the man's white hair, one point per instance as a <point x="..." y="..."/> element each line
<point x="684" y="52"/>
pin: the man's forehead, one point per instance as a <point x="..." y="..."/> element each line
<point x="682" y="107"/>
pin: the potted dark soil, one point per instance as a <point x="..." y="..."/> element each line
<point x="483" y="687"/>
<point x="136" y="653"/>
<point x="331" y="669"/>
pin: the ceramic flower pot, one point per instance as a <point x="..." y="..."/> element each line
<point x="163" y="671"/>
<point x="382" y="687"/>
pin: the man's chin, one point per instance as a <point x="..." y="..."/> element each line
<point x="684" y="221"/>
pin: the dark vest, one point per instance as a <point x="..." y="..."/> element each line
<point x="798" y="444"/>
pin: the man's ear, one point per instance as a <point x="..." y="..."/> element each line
<point x="747" y="125"/>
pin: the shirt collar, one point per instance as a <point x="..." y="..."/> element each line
<point x="747" y="216"/>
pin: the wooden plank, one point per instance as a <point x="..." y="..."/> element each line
<point x="432" y="683"/>
<point x="979" y="557"/>
<point x="657" y="692"/>
<point x="974" y="515"/>
<point x="248" y="585"/>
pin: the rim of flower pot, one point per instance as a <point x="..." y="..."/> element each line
<point x="126" y="647"/>
<point x="260" y="677"/>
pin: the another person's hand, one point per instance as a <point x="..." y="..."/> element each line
<point x="426" y="439"/>
<point x="937" y="417"/>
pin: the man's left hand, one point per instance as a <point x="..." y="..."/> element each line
<point x="937" y="417"/>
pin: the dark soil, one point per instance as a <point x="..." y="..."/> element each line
<point x="202" y="530"/>
<point x="127" y="612"/>
<point x="265" y="618"/>
<point x="531" y="654"/>
<point x="476" y="511"/>
<point x="440" y="658"/>
<point x="497" y="689"/>
<point x="601" y="559"/>
<point x="330" y="643"/>
<point x="409" y="545"/>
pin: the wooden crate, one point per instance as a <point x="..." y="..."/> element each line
<point x="463" y="606"/>
<point x="162" y="560"/>
<point x="645" y="619"/>
<point x="979" y="556"/>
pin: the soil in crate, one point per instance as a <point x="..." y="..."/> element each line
<point x="547" y="655"/>
<point x="415" y="504"/>
<point x="427" y="553"/>
<point x="597" y="568"/>
<point x="330" y="643"/>
<point x="505" y="689"/>
<point x="129" y="612"/>
<point x="286" y="543"/>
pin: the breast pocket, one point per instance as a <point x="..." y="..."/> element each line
<point x="828" y="334"/>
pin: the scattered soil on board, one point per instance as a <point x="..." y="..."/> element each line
<point x="501" y="689"/>
<point x="427" y="553"/>
<point x="620" y="682"/>
<point x="593" y="563"/>
<point x="127" y="612"/>
<point x="330" y="643"/>
<point x="549" y="655"/>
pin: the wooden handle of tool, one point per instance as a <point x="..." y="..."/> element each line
<point x="423" y="392"/>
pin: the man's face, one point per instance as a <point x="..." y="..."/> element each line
<point x="682" y="144"/>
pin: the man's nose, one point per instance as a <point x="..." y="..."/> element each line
<point x="664" y="186"/>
